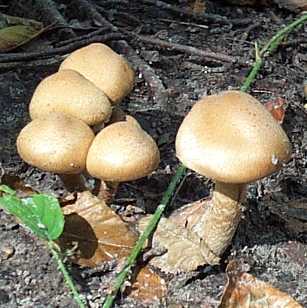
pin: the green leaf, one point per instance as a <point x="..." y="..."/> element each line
<point x="16" y="31"/>
<point x="41" y="213"/>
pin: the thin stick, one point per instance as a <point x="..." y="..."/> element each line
<point x="53" y="248"/>
<point x="131" y="260"/>
<point x="121" y="277"/>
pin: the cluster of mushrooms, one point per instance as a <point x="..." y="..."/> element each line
<point x="229" y="137"/>
<point x="65" y="108"/>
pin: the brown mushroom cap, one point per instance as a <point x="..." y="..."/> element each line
<point x="69" y="92"/>
<point x="58" y="143"/>
<point x="105" y="68"/>
<point x="232" y="138"/>
<point x="121" y="152"/>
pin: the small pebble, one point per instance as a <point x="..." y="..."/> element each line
<point x="7" y="252"/>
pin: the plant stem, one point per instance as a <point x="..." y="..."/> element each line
<point x="121" y="277"/>
<point x="254" y="71"/>
<point x="268" y="48"/>
<point x="273" y="43"/>
<point x="54" y="250"/>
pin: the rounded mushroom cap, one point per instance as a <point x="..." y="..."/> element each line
<point x="232" y="138"/>
<point x="70" y="93"/>
<point x="58" y="143"/>
<point x="105" y="68"/>
<point x="122" y="152"/>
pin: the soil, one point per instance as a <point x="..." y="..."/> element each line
<point x="272" y="236"/>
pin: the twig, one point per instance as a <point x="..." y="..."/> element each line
<point x="12" y="57"/>
<point x="83" y="37"/>
<point x="204" y="16"/>
<point x="188" y="49"/>
<point x="159" y="93"/>
<point x="49" y="12"/>
<point x="180" y="171"/>
<point x="131" y="260"/>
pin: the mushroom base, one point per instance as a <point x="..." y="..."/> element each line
<point x="105" y="190"/>
<point x="222" y="217"/>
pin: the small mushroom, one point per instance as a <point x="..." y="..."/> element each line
<point x="105" y="68"/>
<point x="232" y="139"/>
<point x="56" y="144"/>
<point x="121" y="152"/>
<point x="68" y="92"/>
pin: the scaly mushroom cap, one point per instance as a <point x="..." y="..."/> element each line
<point x="70" y="93"/>
<point x="57" y="144"/>
<point x="232" y="138"/>
<point x="105" y="68"/>
<point x="122" y="152"/>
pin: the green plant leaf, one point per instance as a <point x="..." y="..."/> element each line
<point x="41" y="213"/>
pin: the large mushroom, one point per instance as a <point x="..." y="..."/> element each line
<point x="232" y="139"/>
<point x="105" y="68"/>
<point x="69" y="92"/>
<point x="121" y="152"/>
<point x="58" y="144"/>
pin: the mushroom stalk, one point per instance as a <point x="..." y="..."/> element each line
<point x="222" y="216"/>
<point x="105" y="190"/>
<point x="73" y="182"/>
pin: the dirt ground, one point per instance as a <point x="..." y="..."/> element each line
<point x="272" y="236"/>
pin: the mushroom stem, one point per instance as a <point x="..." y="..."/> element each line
<point x="105" y="190"/>
<point x="222" y="216"/>
<point x="73" y="182"/>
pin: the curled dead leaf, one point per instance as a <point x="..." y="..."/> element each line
<point x="98" y="232"/>
<point x="244" y="291"/>
<point x="148" y="286"/>
<point x="183" y="247"/>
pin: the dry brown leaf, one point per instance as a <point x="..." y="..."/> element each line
<point x="245" y="291"/>
<point x="99" y="232"/>
<point x="183" y="247"/>
<point x="277" y="109"/>
<point x="148" y="286"/>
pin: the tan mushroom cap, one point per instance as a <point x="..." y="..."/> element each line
<point x="122" y="152"/>
<point x="57" y="144"/>
<point x="70" y="93"/>
<point x="232" y="138"/>
<point x="105" y="68"/>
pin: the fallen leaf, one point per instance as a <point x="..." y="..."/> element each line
<point x="198" y="7"/>
<point x="277" y="108"/>
<point x="183" y="247"/>
<point x="148" y="286"/>
<point x="98" y="232"/>
<point x="18" y="31"/>
<point x="244" y="291"/>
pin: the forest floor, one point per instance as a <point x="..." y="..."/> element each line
<point x="272" y="236"/>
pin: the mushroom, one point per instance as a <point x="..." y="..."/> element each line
<point x="232" y="139"/>
<point x="56" y="144"/>
<point x="121" y="152"/>
<point x="69" y="92"/>
<point x="105" y="68"/>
